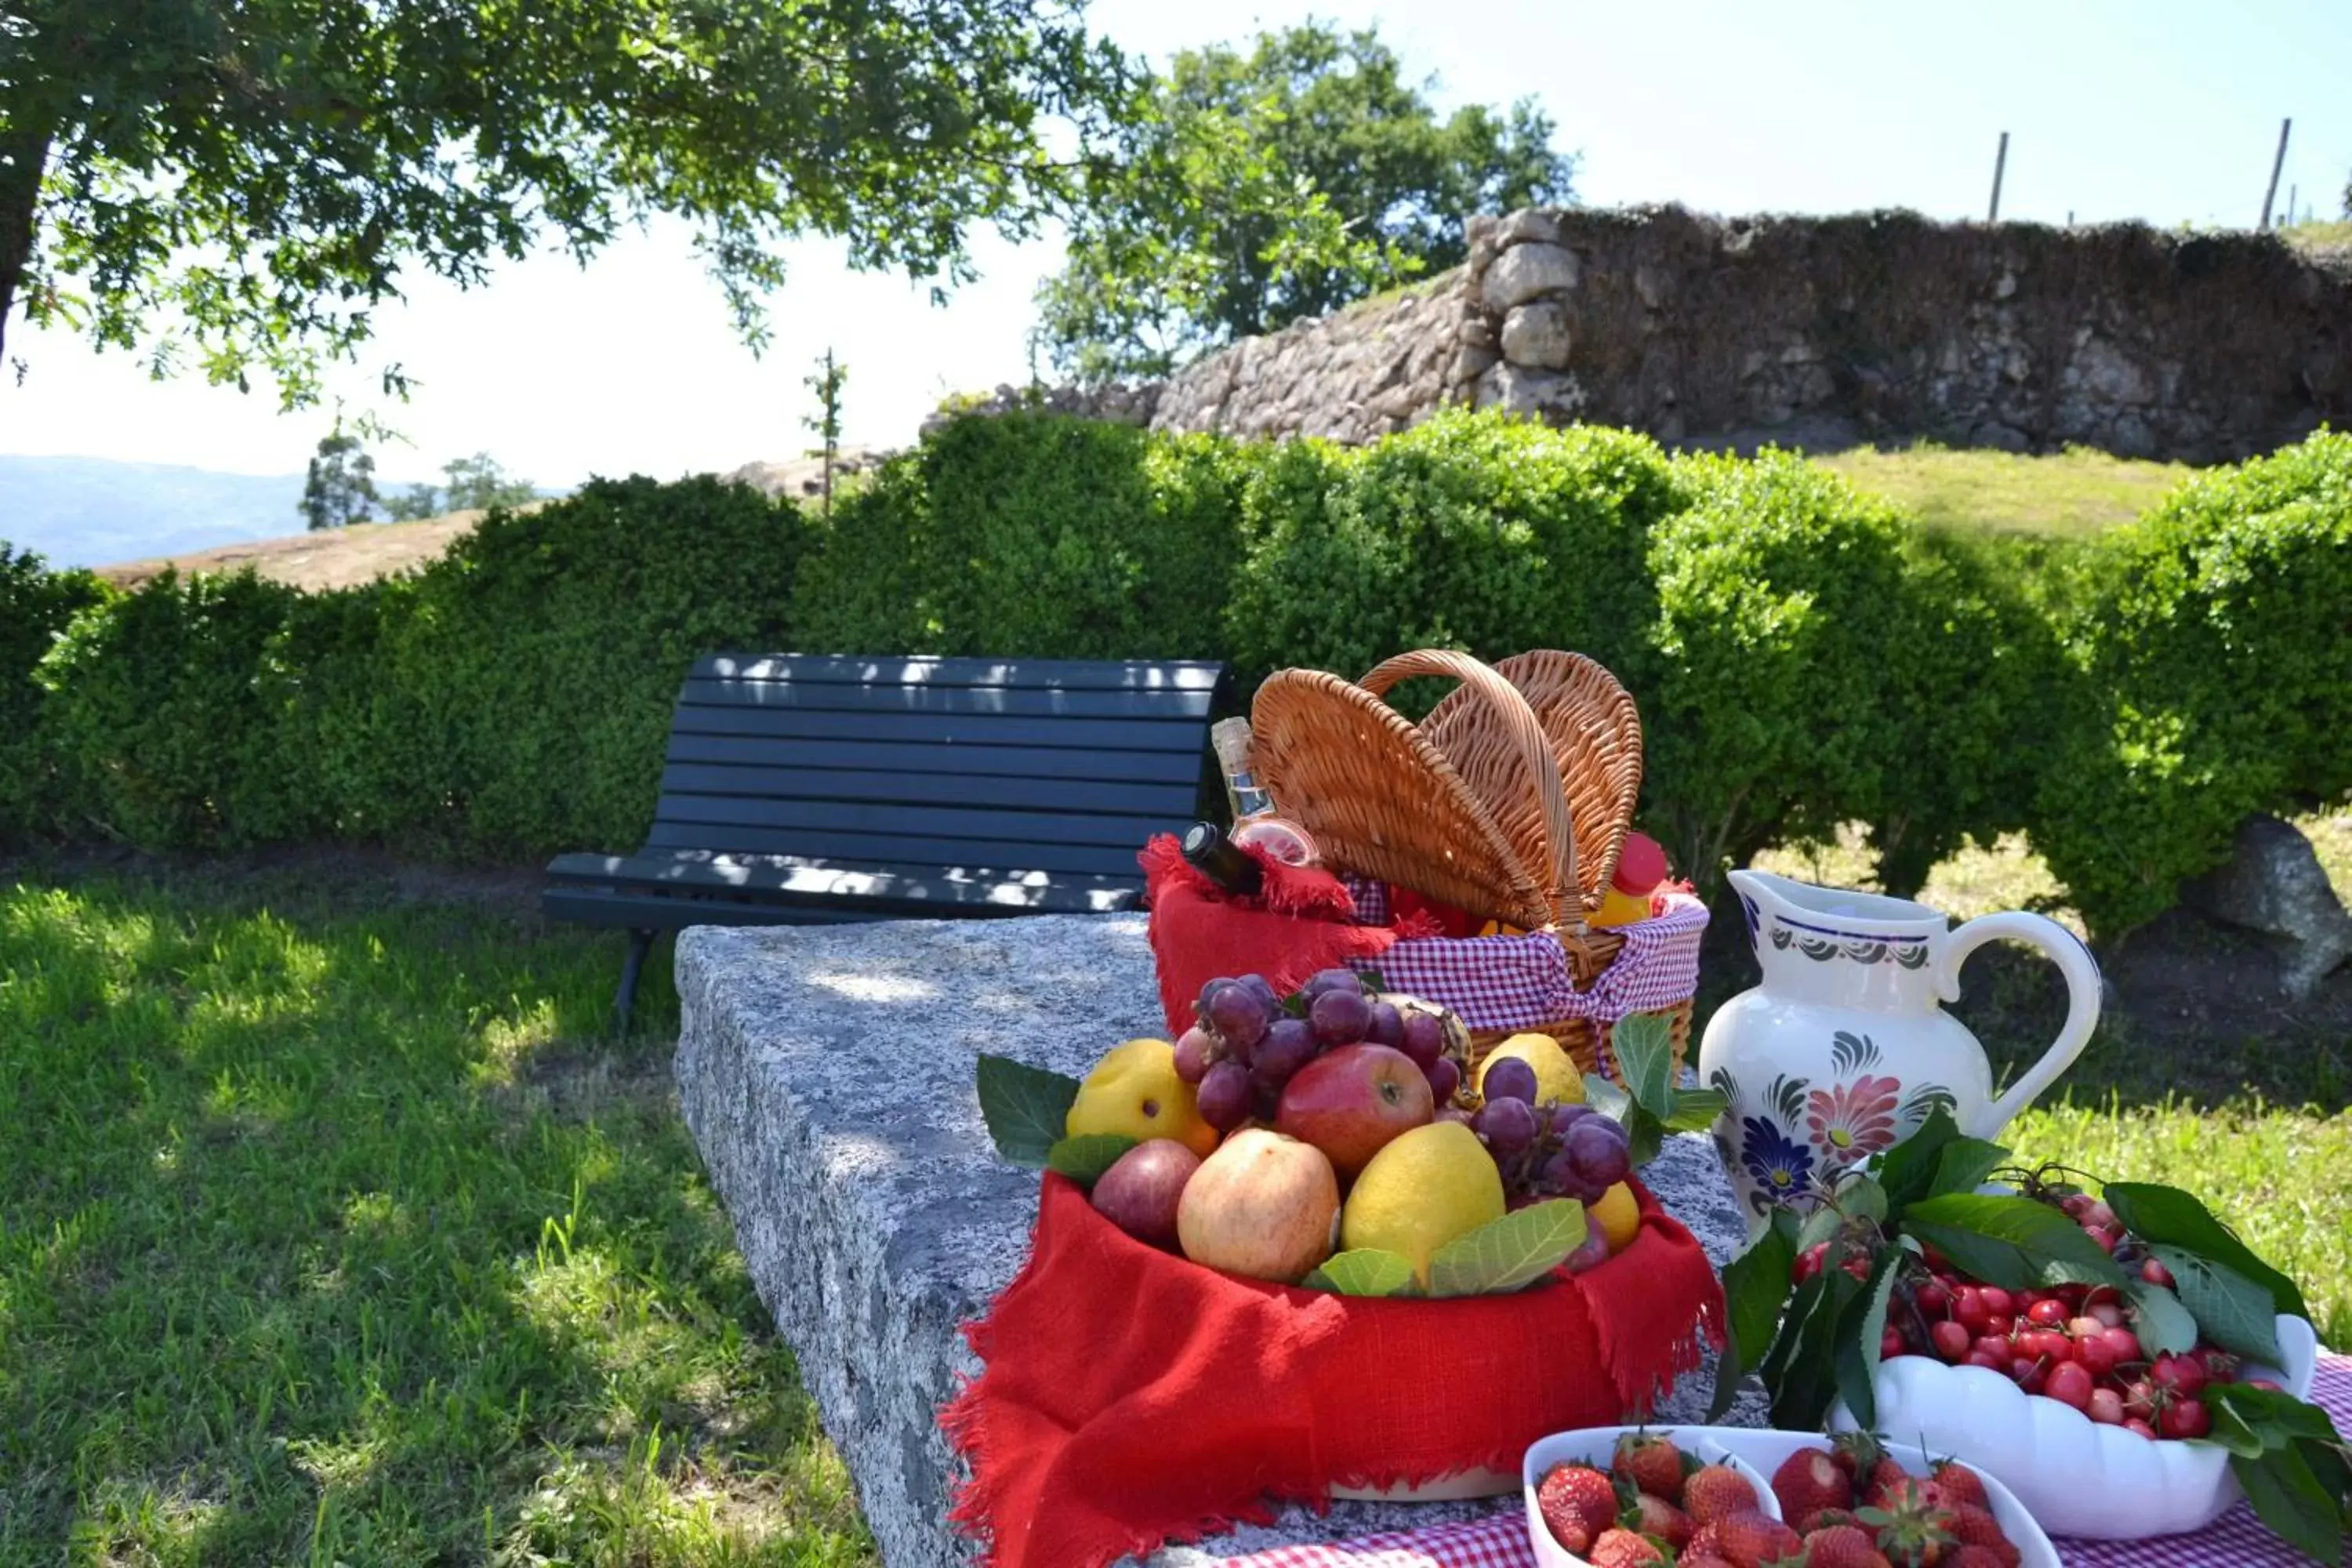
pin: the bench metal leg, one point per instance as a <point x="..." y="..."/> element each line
<point x="627" y="1004"/>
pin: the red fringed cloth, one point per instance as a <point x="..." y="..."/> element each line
<point x="1302" y="921"/>
<point x="1129" y="1397"/>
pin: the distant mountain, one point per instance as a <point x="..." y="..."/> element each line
<point x="91" y="511"/>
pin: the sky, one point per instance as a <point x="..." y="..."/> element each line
<point x="2158" y="109"/>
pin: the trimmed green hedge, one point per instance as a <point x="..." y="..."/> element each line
<point x="1803" y="655"/>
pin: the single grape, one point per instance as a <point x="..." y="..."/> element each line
<point x="1423" y="1039"/>
<point x="1508" y="1125"/>
<point x="1287" y="1047"/>
<point x="1387" y="1028"/>
<point x="1509" y="1079"/>
<point x="1445" y="1076"/>
<point x="1340" y="1017"/>
<point x="1564" y="1117"/>
<point x="1453" y="1113"/>
<point x="1560" y="1175"/>
<point x="1224" y="1097"/>
<point x="1262" y="989"/>
<point x="1597" y="1146"/>
<point x="1196" y="1052"/>
<point x="1334" y="980"/>
<point x="1237" y="1014"/>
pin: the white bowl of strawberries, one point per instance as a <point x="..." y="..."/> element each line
<point x="1728" y="1496"/>
<point x="2107" y="1446"/>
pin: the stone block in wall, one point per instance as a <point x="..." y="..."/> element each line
<point x="1543" y="394"/>
<point x="1470" y="363"/>
<point x="1523" y="272"/>
<point x="1537" y="334"/>
<point x="1529" y="226"/>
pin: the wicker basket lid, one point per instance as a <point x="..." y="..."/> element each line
<point x="1470" y="808"/>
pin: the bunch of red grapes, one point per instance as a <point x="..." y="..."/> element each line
<point x="1247" y="1044"/>
<point x="1547" y="1151"/>
<point x="2071" y="1343"/>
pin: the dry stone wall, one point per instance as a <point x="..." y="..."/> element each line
<point x="1822" y="333"/>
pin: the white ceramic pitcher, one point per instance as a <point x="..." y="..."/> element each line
<point x="1845" y="1049"/>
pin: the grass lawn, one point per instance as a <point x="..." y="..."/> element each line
<point x="332" y="1232"/>
<point x="2070" y="494"/>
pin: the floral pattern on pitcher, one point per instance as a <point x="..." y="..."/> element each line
<point x="1808" y="1132"/>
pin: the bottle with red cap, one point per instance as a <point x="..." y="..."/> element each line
<point x="1640" y="866"/>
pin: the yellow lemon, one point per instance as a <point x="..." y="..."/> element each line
<point x="1558" y="1081"/>
<point x="1423" y="1189"/>
<point x="1134" y="1090"/>
<point x="1618" y="1215"/>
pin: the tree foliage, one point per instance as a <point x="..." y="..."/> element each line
<point x="1253" y="189"/>
<point x="339" y="489"/>
<point x="240" y="187"/>
<point x="472" y="484"/>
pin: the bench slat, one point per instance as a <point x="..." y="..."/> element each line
<point x="1106" y="735"/>
<point x="961" y="758"/>
<point x="1069" y="674"/>
<point x="1172" y="706"/>
<point x="1085" y="797"/>
<point x="726" y="875"/>
<point x="1094" y="860"/>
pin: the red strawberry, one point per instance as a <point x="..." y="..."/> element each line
<point x="1579" y="1502"/>
<point x="1843" y="1546"/>
<point x="1623" y="1549"/>
<point x="1718" y="1492"/>
<point x="1979" y="1557"/>
<point x="1855" y="1453"/>
<point x="1751" y="1540"/>
<point x="1974" y="1526"/>
<point x="1911" y="1530"/>
<point x="1884" y="1476"/>
<point x="1653" y="1515"/>
<point x="1808" y="1481"/>
<point x="1704" y="1560"/>
<point x="1955" y="1483"/>
<point x="1650" y="1464"/>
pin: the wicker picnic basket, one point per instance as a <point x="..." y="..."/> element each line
<point x="1510" y="801"/>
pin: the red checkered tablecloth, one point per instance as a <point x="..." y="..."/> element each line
<point x="2234" y="1540"/>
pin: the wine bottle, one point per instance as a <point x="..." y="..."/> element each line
<point x="1219" y="859"/>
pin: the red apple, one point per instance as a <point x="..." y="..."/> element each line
<point x="1350" y="1102"/>
<point x="1263" y="1205"/>
<point x="1141" y="1190"/>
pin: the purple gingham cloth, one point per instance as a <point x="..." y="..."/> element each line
<point x="1523" y="982"/>
<point x="2236" y="1539"/>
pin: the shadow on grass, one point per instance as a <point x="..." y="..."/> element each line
<point x="335" y="1231"/>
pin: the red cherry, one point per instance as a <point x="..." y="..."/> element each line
<point x="1999" y="1324"/>
<point x="2100" y="1215"/>
<point x="2125" y="1344"/>
<point x="2105" y="1407"/>
<point x="1951" y="1341"/>
<point x="1996" y="1300"/>
<point x="2046" y="1345"/>
<point x="2141" y="1399"/>
<point x="2030" y="1373"/>
<point x="1933" y="1298"/>
<point x="1809" y="1262"/>
<point x="2095" y="1354"/>
<point x="2134" y="1424"/>
<point x="2068" y="1384"/>
<point x="1994" y="1345"/>
<point x="2072" y="1204"/>
<point x="2049" y="1312"/>
<point x="2184" y="1375"/>
<point x="2221" y="1366"/>
<point x="2185" y="1418"/>
<point x="1968" y="1306"/>
<point x="2106" y="1237"/>
<point x="1991" y="1361"/>
<point x="1890" y="1343"/>
<point x="2156" y="1273"/>
<point x="2108" y="1312"/>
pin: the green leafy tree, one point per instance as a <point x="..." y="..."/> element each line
<point x="1253" y="189"/>
<point x="339" y="488"/>
<point x="475" y="483"/>
<point x="416" y="503"/>
<point x="240" y="187"/>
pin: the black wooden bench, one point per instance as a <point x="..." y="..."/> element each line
<point x="802" y="789"/>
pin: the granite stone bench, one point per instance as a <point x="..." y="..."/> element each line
<point x="827" y="1074"/>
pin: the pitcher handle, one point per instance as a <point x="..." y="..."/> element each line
<point x="2062" y="948"/>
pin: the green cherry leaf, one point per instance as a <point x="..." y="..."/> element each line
<point x="1362" y="1271"/>
<point x="1509" y="1253"/>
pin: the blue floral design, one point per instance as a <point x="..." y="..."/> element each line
<point x="1778" y="1163"/>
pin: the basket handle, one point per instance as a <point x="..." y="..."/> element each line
<point x="1519" y="721"/>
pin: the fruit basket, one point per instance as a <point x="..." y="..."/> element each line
<point x="1511" y="802"/>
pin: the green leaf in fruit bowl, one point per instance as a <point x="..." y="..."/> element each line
<point x="1605" y="1096"/>
<point x="1695" y="1110"/>
<point x="1644" y="1045"/>
<point x="1027" y="1108"/>
<point x="2235" y="1313"/>
<point x="1084" y="1160"/>
<point x="2164" y="1326"/>
<point x="2167" y="1214"/>
<point x="1509" y="1253"/>
<point x="1362" y="1271"/>
<point x="2012" y="1242"/>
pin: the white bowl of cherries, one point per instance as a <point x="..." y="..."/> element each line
<point x="2052" y="1392"/>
